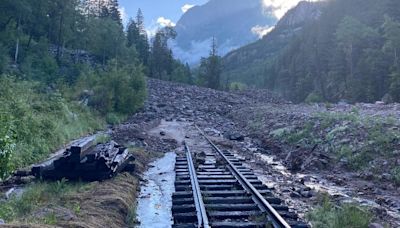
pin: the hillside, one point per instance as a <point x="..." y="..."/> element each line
<point x="247" y="64"/>
<point x="232" y="23"/>
<point x="349" y="54"/>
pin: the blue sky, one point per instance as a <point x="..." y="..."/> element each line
<point x="153" y="10"/>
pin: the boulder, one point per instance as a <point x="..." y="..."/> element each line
<point x="234" y="136"/>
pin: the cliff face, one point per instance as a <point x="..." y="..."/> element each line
<point x="231" y="22"/>
<point x="302" y="13"/>
<point x="246" y="64"/>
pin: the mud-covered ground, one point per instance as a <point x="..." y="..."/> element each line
<point x="267" y="131"/>
<point x="250" y="119"/>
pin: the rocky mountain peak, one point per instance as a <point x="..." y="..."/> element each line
<point x="304" y="12"/>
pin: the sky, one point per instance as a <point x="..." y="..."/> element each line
<point x="167" y="12"/>
<point x="157" y="12"/>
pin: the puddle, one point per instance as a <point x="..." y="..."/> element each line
<point x="171" y="129"/>
<point x="321" y="185"/>
<point x="155" y="199"/>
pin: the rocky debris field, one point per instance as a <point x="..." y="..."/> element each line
<point x="303" y="148"/>
<point x="348" y="151"/>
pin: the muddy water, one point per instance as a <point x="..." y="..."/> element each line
<point x="320" y="184"/>
<point x="155" y="200"/>
<point x="171" y="129"/>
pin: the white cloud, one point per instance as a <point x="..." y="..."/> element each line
<point x="124" y="15"/>
<point x="165" y="22"/>
<point x="186" y="7"/>
<point x="280" y="7"/>
<point x="261" y="31"/>
<point x="199" y="49"/>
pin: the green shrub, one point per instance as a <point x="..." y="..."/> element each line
<point x="118" y="90"/>
<point x="4" y="59"/>
<point x="237" y="86"/>
<point x="114" y="118"/>
<point x="102" y="138"/>
<point x="314" y="98"/>
<point x="328" y="215"/>
<point x="396" y="175"/>
<point x="7" y="145"/>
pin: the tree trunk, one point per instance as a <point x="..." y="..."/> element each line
<point x="59" y="46"/>
<point x="17" y="42"/>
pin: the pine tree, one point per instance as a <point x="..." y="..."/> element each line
<point x="161" y="57"/>
<point x="133" y="35"/>
<point x="113" y="8"/>
<point x="211" y="68"/>
<point x="140" y="21"/>
<point x="143" y="42"/>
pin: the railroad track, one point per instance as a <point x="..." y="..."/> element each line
<point x="216" y="190"/>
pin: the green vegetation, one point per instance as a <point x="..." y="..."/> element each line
<point x="36" y="122"/>
<point x="350" y="53"/>
<point x="36" y="196"/>
<point x="396" y="175"/>
<point x="209" y="72"/>
<point x="162" y="64"/>
<point x="328" y="215"/>
<point x="131" y="220"/>
<point x="7" y="145"/>
<point x="237" y="86"/>
<point x="102" y="138"/>
<point x="66" y="68"/>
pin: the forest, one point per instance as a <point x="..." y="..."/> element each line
<point x="349" y="54"/>
<point x="68" y="68"/>
<point x="339" y="51"/>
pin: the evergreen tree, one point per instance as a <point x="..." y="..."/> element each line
<point x="211" y="68"/>
<point x="142" y="45"/>
<point x="113" y="8"/>
<point x="137" y="37"/>
<point x="161" y="59"/>
<point x="132" y="34"/>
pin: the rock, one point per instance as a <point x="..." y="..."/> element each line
<point x="367" y="175"/>
<point x="295" y="195"/>
<point x="14" y="192"/>
<point x="234" y="136"/>
<point x="386" y="176"/>
<point x="306" y="194"/>
<point x="2" y="222"/>
<point x="375" y="225"/>
<point x="162" y="133"/>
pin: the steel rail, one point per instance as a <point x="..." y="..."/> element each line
<point x="198" y="199"/>
<point x="274" y="216"/>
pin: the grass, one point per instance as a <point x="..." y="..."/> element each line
<point x="131" y="220"/>
<point x="39" y="195"/>
<point x="41" y="121"/>
<point x="396" y="175"/>
<point x="102" y="138"/>
<point x="328" y="215"/>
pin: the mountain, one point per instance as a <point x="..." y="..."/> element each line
<point x="337" y="50"/>
<point x="247" y="64"/>
<point x="233" y="23"/>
